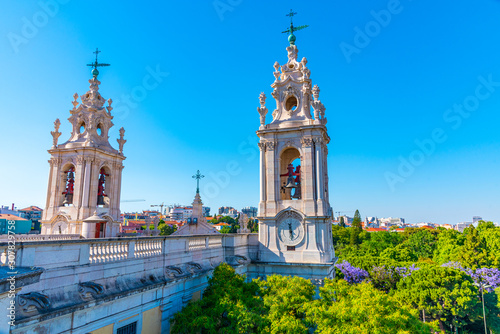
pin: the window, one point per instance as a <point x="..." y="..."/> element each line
<point x="128" y="329"/>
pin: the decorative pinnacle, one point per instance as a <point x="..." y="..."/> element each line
<point x="198" y="176"/>
<point x="96" y="64"/>
<point x="291" y="37"/>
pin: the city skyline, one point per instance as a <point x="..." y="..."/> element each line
<point x="402" y="144"/>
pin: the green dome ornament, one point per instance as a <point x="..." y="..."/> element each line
<point x="291" y="37"/>
<point x="95" y="72"/>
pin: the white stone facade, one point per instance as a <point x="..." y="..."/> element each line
<point x="294" y="222"/>
<point x="91" y="165"/>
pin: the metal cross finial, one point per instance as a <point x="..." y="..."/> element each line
<point x="198" y="176"/>
<point x="96" y="64"/>
<point x="291" y="37"/>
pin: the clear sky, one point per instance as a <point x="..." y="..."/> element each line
<point x="392" y="74"/>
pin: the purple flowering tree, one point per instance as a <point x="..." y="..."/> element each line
<point x="351" y="274"/>
<point x="385" y="278"/>
<point x="487" y="278"/>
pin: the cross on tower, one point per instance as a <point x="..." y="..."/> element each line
<point x="291" y="37"/>
<point x="198" y="176"/>
<point x="96" y="64"/>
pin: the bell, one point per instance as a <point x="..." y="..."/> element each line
<point x="296" y="194"/>
<point x="68" y="199"/>
<point x="290" y="183"/>
<point x="100" y="200"/>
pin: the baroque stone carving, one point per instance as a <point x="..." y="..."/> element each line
<point x="33" y="301"/>
<point x="306" y="141"/>
<point x="89" y="290"/>
<point x="173" y="272"/>
<point x="193" y="267"/>
<point x="262" y="146"/>
<point x="262" y="109"/>
<point x="121" y="141"/>
<point x="55" y="134"/>
<point x="237" y="260"/>
<point x="270" y="145"/>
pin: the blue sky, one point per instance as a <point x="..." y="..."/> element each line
<point x="215" y="57"/>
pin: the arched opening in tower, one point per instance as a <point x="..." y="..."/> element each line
<point x="102" y="195"/>
<point x="69" y="185"/>
<point x="290" y="174"/>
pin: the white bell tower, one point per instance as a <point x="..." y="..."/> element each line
<point x="295" y="217"/>
<point x="85" y="172"/>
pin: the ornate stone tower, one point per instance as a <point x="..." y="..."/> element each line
<point x="85" y="172"/>
<point x="295" y="217"/>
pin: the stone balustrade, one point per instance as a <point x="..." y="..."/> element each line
<point x="102" y="250"/>
<point x="166" y="271"/>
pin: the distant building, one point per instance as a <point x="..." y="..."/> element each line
<point x="228" y="211"/>
<point x="388" y="222"/>
<point x="371" y="222"/>
<point x="206" y="211"/>
<point x="476" y="219"/>
<point x="460" y="227"/>
<point x="4" y="209"/>
<point x="33" y="213"/>
<point x="347" y="220"/>
<point x="21" y="225"/>
<point x="250" y="211"/>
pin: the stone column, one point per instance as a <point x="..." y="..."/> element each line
<point x="271" y="172"/>
<point x="308" y="177"/>
<point x="320" y="180"/>
<point x="78" y="191"/>
<point x="86" y="183"/>
<point x="262" y="207"/>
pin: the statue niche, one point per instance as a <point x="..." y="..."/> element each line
<point x="290" y="174"/>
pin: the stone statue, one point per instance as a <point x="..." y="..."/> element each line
<point x="121" y="141"/>
<point x="262" y="109"/>
<point x="55" y="134"/>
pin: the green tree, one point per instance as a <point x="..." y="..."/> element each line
<point x="229" y="305"/>
<point x="340" y="235"/>
<point x="474" y="253"/>
<point x="361" y="309"/>
<point x="445" y="294"/>
<point x="166" y="229"/>
<point x="356" y="229"/>
<point x="448" y="246"/>
<point x="422" y="242"/>
<point x="341" y="222"/>
<point x="285" y="298"/>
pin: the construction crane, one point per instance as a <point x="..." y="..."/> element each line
<point x="161" y="208"/>
<point x="343" y="212"/>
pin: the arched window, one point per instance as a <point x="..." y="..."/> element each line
<point x="102" y="196"/>
<point x="69" y="185"/>
<point x="290" y="174"/>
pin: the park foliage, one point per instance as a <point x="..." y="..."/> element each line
<point x="418" y="281"/>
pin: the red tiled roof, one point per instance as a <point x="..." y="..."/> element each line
<point x="31" y="208"/>
<point x="222" y="224"/>
<point x="375" y="229"/>
<point x="427" y="226"/>
<point x="8" y="216"/>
